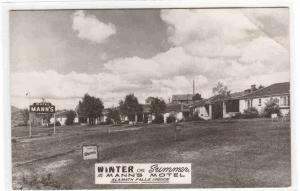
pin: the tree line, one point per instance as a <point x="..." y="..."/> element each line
<point x="92" y="108"/>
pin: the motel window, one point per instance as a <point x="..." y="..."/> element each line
<point x="259" y="102"/>
<point x="284" y="101"/>
<point x="249" y="103"/>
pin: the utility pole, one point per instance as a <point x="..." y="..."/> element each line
<point x="54" y="124"/>
<point x="193" y="87"/>
<point x="29" y="120"/>
<point x="193" y="91"/>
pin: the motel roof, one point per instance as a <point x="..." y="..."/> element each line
<point x="216" y="98"/>
<point x="237" y="95"/>
<point x="272" y="90"/>
<point x="61" y="113"/>
<point x="182" y="97"/>
<point x="199" y="103"/>
<point x="176" y="107"/>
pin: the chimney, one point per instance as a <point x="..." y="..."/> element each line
<point x="193" y="87"/>
<point x="253" y="88"/>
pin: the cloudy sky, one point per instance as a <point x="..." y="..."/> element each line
<point x="61" y="55"/>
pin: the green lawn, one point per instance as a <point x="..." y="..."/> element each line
<point x="229" y="153"/>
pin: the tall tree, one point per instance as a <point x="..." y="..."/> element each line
<point x="114" y="115"/>
<point x="130" y="107"/>
<point x="92" y="107"/>
<point x="70" y="117"/>
<point x="149" y="99"/>
<point x="220" y="89"/>
<point x="25" y="114"/>
<point x="197" y="96"/>
<point x="157" y="106"/>
<point x="260" y="86"/>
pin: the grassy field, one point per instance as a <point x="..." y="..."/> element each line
<point x="229" y="153"/>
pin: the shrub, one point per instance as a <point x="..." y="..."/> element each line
<point x="237" y="116"/>
<point x="158" y="119"/>
<point x="113" y="115"/>
<point x="194" y="117"/>
<point x="250" y="113"/>
<point x="57" y="123"/>
<point x="288" y="115"/>
<point x="70" y="117"/>
<point x="107" y="121"/>
<point x="125" y="122"/>
<point x="171" y="119"/>
<point x="270" y="108"/>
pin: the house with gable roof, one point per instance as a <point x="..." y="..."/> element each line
<point x="182" y="99"/>
<point x="229" y="105"/>
<point x="279" y="93"/>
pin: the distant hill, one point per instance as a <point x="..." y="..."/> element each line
<point x="18" y="116"/>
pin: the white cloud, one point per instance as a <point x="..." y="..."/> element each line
<point x="230" y="42"/>
<point x="71" y="86"/>
<point x="268" y="52"/>
<point x="273" y="22"/>
<point x="88" y="27"/>
<point x="208" y="46"/>
<point x="65" y="90"/>
<point x="189" y="25"/>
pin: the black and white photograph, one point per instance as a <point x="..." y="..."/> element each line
<point x="150" y="98"/>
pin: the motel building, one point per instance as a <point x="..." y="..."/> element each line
<point x="182" y="99"/>
<point x="144" y="116"/>
<point x="179" y="111"/>
<point x="218" y="106"/>
<point x="61" y="117"/>
<point x="279" y="93"/>
<point x="228" y="106"/>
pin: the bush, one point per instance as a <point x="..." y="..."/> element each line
<point x="125" y="122"/>
<point x="270" y="108"/>
<point x="113" y="116"/>
<point x="70" y="117"/>
<point x="171" y="119"/>
<point x="288" y="116"/>
<point x="237" y="116"/>
<point x="194" y="117"/>
<point x="158" y="119"/>
<point x="57" y="123"/>
<point x="250" y="113"/>
<point x="107" y="121"/>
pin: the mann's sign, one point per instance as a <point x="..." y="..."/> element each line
<point x="43" y="107"/>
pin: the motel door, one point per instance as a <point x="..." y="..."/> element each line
<point x="217" y="110"/>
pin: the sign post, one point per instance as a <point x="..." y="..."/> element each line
<point x="29" y="120"/>
<point x="89" y="152"/>
<point x="29" y="127"/>
<point x="42" y="108"/>
<point x="54" y="124"/>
